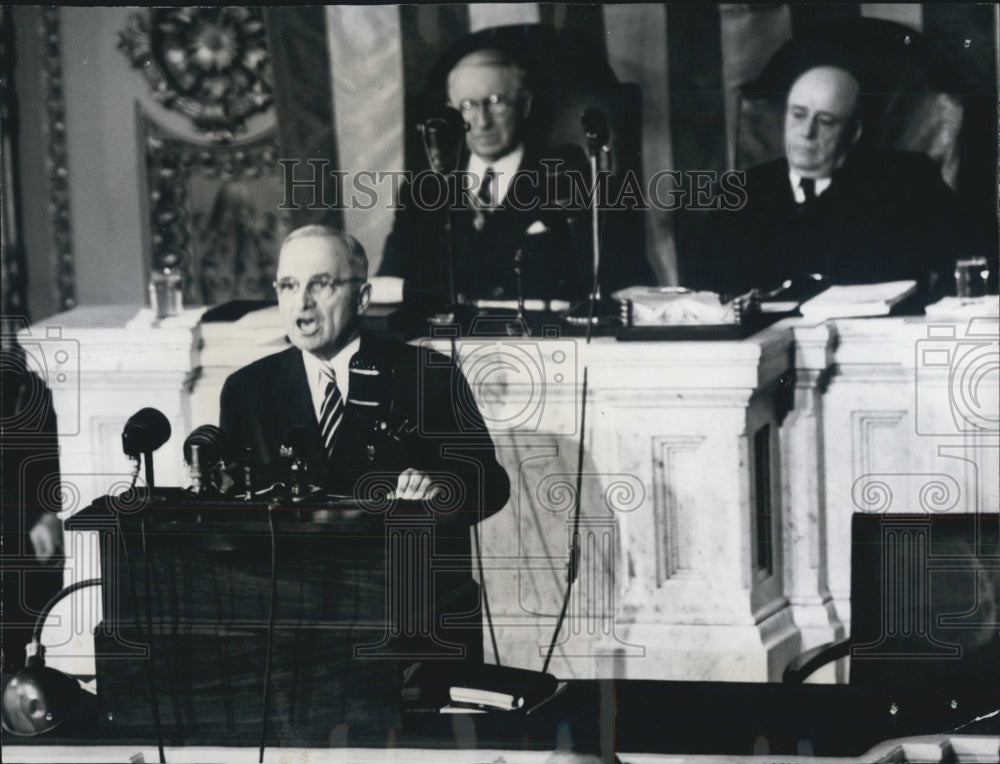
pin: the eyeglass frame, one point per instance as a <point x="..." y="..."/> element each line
<point x="314" y="283"/>
<point x="495" y="103"/>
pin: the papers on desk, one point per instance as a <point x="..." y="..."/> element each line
<point x="675" y="306"/>
<point x="779" y="306"/>
<point x="986" y="306"/>
<point x="386" y="290"/>
<point x="554" y="306"/>
<point x="857" y="300"/>
<point x="146" y="319"/>
<point x="265" y="318"/>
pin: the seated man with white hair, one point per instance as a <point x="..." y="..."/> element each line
<point x="833" y="212"/>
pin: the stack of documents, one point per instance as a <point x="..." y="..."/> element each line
<point x="857" y="300"/>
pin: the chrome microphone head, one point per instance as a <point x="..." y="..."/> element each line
<point x="211" y="443"/>
<point x="595" y="127"/>
<point x="443" y="133"/>
<point x="295" y="443"/>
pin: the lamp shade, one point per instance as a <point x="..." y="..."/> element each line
<point x="38" y="699"/>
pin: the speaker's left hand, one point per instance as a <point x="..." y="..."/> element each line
<point x="414" y="485"/>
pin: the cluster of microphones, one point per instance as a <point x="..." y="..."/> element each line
<point x="216" y="468"/>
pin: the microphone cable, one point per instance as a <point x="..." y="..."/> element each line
<point x="270" y="631"/>
<point x="485" y="597"/>
<point x="572" y="567"/>
<point x="595" y="284"/>
<point x="154" y="705"/>
<point x="153" y="700"/>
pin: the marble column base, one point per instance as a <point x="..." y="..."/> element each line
<point x="709" y="652"/>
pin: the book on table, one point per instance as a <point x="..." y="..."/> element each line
<point x="858" y="300"/>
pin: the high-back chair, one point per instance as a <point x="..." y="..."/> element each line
<point x="913" y="95"/>
<point x="925" y="603"/>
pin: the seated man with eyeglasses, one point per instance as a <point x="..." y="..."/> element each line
<point x="441" y="441"/>
<point x="509" y="203"/>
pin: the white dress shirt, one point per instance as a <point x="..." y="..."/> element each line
<point x="504" y="170"/>
<point x="317" y="375"/>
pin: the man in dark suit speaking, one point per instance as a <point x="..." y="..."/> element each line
<point x="440" y="447"/>
<point x="831" y="212"/>
<point x="504" y="208"/>
<point x="322" y="286"/>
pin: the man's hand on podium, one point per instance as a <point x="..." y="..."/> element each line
<point x="415" y="485"/>
<point x="47" y="537"/>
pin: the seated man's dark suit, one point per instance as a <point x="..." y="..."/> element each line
<point x="444" y="435"/>
<point x="885" y="216"/>
<point x="555" y="259"/>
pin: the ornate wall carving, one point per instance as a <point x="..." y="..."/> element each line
<point x="54" y="128"/>
<point x="13" y="287"/>
<point x="209" y="64"/>
<point x="212" y="199"/>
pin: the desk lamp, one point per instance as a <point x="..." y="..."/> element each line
<point x="38" y="698"/>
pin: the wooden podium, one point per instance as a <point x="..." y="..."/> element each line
<point x="187" y="593"/>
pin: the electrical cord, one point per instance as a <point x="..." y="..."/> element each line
<point x="270" y="633"/>
<point x="36" y="635"/>
<point x="153" y="700"/>
<point x="150" y="689"/>
<point x="572" y="567"/>
<point x="486" y="600"/>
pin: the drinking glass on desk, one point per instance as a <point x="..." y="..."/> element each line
<point x="971" y="276"/>
<point x="166" y="295"/>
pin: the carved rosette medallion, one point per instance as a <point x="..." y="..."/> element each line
<point x="210" y="64"/>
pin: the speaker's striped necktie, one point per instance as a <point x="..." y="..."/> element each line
<point x="331" y="413"/>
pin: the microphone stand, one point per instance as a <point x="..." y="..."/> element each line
<point x="519" y="326"/>
<point x="595" y="239"/>
<point x="449" y="234"/>
<point x="443" y="160"/>
<point x="147" y="458"/>
<point x="598" y="309"/>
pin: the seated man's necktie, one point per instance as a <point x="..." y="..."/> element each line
<point x="331" y="413"/>
<point x="484" y="199"/>
<point x="485" y="192"/>
<point x="808" y="186"/>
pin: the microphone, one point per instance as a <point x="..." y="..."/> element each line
<point x="144" y="432"/>
<point x="595" y="129"/>
<point x="295" y="444"/>
<point x="210" y="442"/>
<point x="443" y="131"/>
<point x="203" y="449"/>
